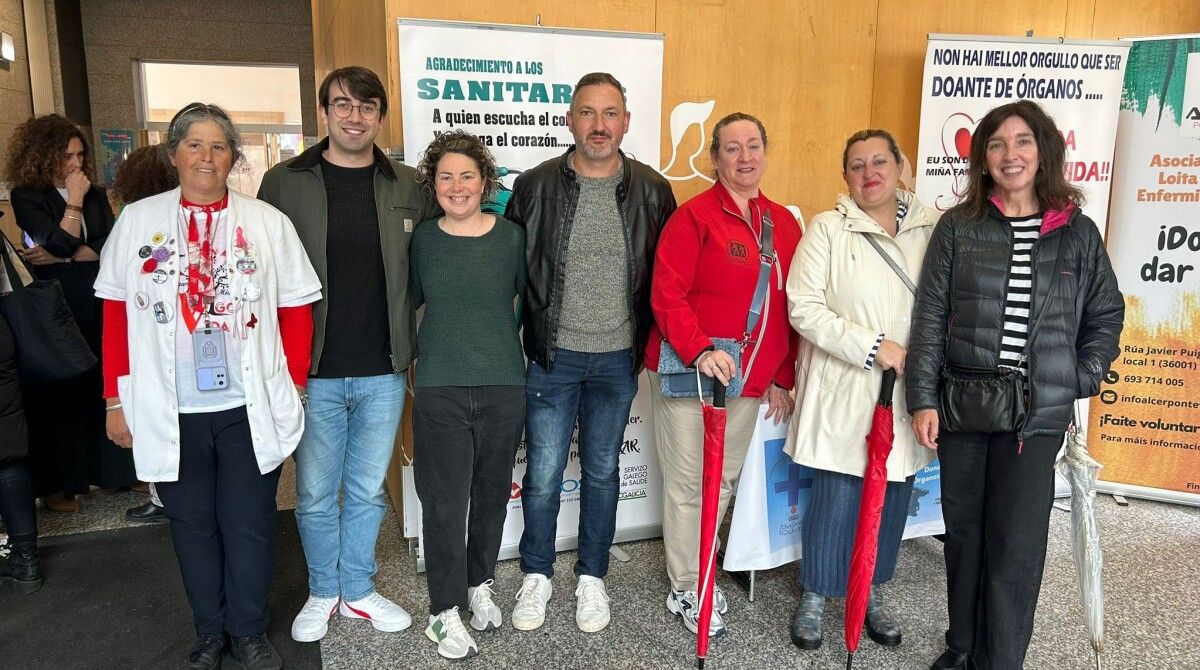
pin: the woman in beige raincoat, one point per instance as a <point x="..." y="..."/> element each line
<point x="852" y="308"/>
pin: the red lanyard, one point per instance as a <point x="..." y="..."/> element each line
<point x="201" y="255"/>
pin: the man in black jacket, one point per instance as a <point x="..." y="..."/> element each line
<point x="592" y="218"/>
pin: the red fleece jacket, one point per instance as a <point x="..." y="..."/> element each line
<point x="705" y="271"/>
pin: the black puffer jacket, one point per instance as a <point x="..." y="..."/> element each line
<point x="543" y="202"/>
<point x="959" y="312"/>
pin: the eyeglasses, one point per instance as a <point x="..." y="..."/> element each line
<point x="344" y="108"/>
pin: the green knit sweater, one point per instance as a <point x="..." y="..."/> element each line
<point x="468" y="335"/>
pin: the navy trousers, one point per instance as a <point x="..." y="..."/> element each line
<point x="223" y="523"/>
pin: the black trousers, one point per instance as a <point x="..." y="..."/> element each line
<point x="16" y="502"/>
<point x="996" y="503"/>
<point x="223" y="522"/>
<point x="464" y="442"/>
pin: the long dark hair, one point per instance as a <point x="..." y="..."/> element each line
<point x="1050" y="185"/>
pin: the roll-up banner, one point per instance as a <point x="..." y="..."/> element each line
<point x="1145" y="424"/>
<point x="511" y="86"/>
<point x="1077" y="82"/>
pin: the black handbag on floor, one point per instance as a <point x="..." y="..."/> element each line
<point x="50" y="347"/>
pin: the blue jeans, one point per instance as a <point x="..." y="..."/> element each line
<point x="349" y="433"/>
<point x="597" y="390"/>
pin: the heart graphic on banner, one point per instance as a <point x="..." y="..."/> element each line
<point x="956" y="135"/>
<point x="962" y="142"/>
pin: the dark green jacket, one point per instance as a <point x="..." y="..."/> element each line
<point x="297" y="188"/>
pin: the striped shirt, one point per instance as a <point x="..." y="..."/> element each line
<point x="1018" y="291"/>
<point x="901" y="211"/>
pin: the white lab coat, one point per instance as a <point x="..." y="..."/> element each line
<point x="283" y="277"/>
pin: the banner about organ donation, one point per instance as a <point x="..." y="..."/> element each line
<point x="511" y="86"/>
<point x="1145" y="424"/>
<point x="772" y="494"/>
<point x="1077" y="83"/>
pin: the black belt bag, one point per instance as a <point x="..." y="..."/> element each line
<point x="981" y="400"/>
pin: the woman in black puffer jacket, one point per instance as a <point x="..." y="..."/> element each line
<point x="1017" y="289"/>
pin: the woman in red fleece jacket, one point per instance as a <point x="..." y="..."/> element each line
<point x="207" y="332"/>
<point x="706" y="269"/>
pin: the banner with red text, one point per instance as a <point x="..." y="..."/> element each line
<point x="1077" y="83"/>
<point x="1145" y="424"/>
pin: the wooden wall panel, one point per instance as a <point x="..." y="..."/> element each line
<point x="349" y="32"/>
<point x="1141" y="18"/>
<point x="803" y="68"/>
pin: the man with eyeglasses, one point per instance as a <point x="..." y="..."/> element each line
<point x="355" y="210"/>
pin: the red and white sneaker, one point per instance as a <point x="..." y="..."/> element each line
<point x="312" y="622"/>
<point x="383" y="614"/>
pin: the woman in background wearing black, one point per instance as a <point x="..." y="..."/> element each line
<point x="66" y="220"/>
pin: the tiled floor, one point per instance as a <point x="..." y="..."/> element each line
<point x="1151" y="574"/>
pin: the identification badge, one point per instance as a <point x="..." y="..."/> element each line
<point x="208" y="348"/>
<point x="408" y="225"/>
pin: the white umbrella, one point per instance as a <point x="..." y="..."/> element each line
<point x="1081" y="470"/>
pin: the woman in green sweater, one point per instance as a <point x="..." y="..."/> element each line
<point x="467" y="268"/>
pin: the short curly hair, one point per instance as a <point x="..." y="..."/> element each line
<point x="146" y="172"/>
<point x="36" y="148"/>
<point x="459" y="142"/>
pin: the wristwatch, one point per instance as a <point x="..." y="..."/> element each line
<point x="303" y="396"/>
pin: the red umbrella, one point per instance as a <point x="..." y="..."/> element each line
<point x="870" y="509"/>
<point x="710" y="499"/>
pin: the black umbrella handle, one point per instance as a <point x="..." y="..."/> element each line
<point x="885" y="390"/>
<point x="718" y="393"/>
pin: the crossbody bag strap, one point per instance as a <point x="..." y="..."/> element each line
<point x="18" y="274"/>
<point x="892" y="262"/>
<point x="766" y="258"/>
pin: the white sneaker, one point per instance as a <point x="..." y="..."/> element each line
<point x="312" y="622"/>
<point x="453" y="640"/>
<point x="485" y="613"/>
<point x="684" y="604"/>
<point x="719" y="601"/>
<point x="591" y="604"/>
<point x="530" y="612"/>
<point x="383" y="614"/>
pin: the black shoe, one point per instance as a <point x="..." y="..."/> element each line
<point x="950" y="660"/>
<point x="21" y="571"/>
<point x="148" y="513"/>
<point x="206" y="652"/>
<point x="255" y="652"/>
<point x="881" y="625"/>
<point x="806" y="624"/>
